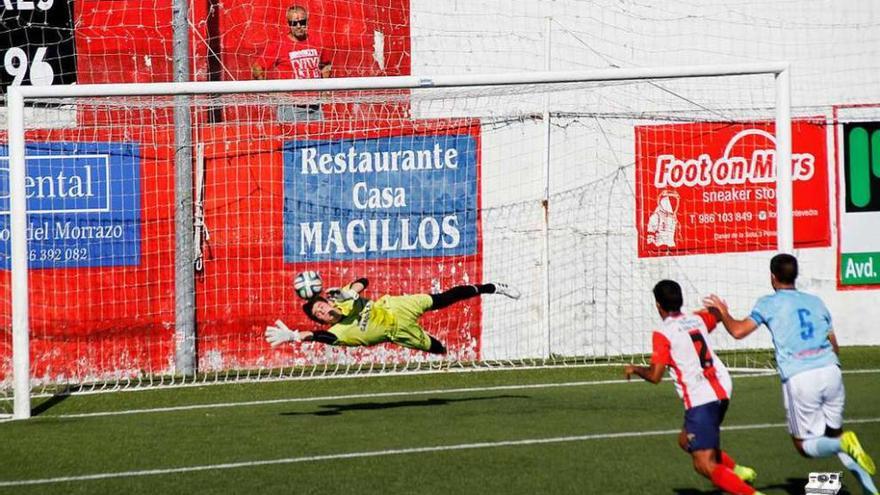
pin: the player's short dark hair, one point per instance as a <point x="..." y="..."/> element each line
<point x="308" y="308"/>
<point x="784" y="267"/>
<point x="667" y="293"/>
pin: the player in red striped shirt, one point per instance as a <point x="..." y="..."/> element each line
<point x="702" y="382"/>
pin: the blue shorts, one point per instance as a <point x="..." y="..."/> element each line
<point x="703" y="425"/>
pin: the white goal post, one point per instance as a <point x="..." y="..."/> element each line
<point x="17" y="96"/>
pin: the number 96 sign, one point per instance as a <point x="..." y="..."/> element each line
<point x="16" y="64"/>
<point x="37" y="43"/>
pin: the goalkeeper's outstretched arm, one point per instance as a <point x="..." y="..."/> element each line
<point x="279" y="333"/>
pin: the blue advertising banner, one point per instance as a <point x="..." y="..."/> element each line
<point x="379" y="198"/>
<point x="83" y="203"/>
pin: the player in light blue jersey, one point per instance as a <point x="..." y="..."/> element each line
<point x="806" y="356"/>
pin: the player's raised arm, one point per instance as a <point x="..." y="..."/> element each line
<point x="359" y="285"/>
<point x="350" y="292"/>
<point x="738" y="329"/>
<point x="353" y="290"/>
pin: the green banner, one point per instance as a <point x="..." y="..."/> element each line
<point x="859" y="268"/>
<point x="862" y="167"/>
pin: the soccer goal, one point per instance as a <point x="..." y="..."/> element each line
<point x="135" y="261"/>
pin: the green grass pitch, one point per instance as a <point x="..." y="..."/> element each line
<point x="570" y="430"/>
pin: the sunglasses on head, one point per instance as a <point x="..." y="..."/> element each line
<point x="301" y="22"/>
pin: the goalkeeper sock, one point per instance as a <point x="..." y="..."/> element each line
<point x="437" y="347"/>
<point x="821" y="446"/>
<point x="723" y="477"/>
<point x="459" y="293"/>
<point x="862" y="475"/>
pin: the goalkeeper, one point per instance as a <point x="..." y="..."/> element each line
<point x="356" y="321"/>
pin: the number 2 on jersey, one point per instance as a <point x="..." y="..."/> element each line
<point x="702" y="349"/>
<point x="806" y="324"/>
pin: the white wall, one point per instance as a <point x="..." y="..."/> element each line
<point x="601" y="290"/>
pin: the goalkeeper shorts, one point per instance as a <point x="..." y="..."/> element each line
<point x="406" y="310"/>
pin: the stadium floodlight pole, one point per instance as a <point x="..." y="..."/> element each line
<point x="545" y="201"/>
<point x="784" y="195"/>
<point x="184" y="254"/>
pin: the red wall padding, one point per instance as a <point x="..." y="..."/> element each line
<point x="97" y="322"/>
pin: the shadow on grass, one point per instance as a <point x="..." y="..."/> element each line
<point x="792" y="486"/>
<point x="336" y="409"/>
<point x="50" y="403"/>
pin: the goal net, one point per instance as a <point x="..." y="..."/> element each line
<point x="580" y="194"/>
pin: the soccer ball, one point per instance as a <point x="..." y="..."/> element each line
<point x="308" y="284"/>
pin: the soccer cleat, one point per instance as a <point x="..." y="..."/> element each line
<point x="745" y="473"/>
<point x="507" y="290"/>
<point x="850" y="444"/>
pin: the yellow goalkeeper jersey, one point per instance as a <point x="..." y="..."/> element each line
<point x="364" y="322"/>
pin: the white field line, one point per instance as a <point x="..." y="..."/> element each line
<point x="380" y="395"/>
<point x="275" y="379"/>
<point x="382" y="453"/>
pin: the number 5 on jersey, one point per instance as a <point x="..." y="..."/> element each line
<point x="806" y="325"/>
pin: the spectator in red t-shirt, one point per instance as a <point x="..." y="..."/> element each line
<point x="294" y="56"/>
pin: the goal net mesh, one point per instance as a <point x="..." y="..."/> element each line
<point x="418" y="191"/>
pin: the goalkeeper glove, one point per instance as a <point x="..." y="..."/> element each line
<point x="340" y="295"/>
<point x="279" y="334"/>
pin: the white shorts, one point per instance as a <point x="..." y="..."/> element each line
<point x="813" y="401"/>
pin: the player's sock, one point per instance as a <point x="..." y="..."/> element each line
<point x="459" y="293"/>
<point x="462" y="292"/>
<point x="822" y="446"/>
<point x="726" y="460"/>
<point x="744" y="473"/>
<point x="862" y="475"/>
<point x="723" y="477"/>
